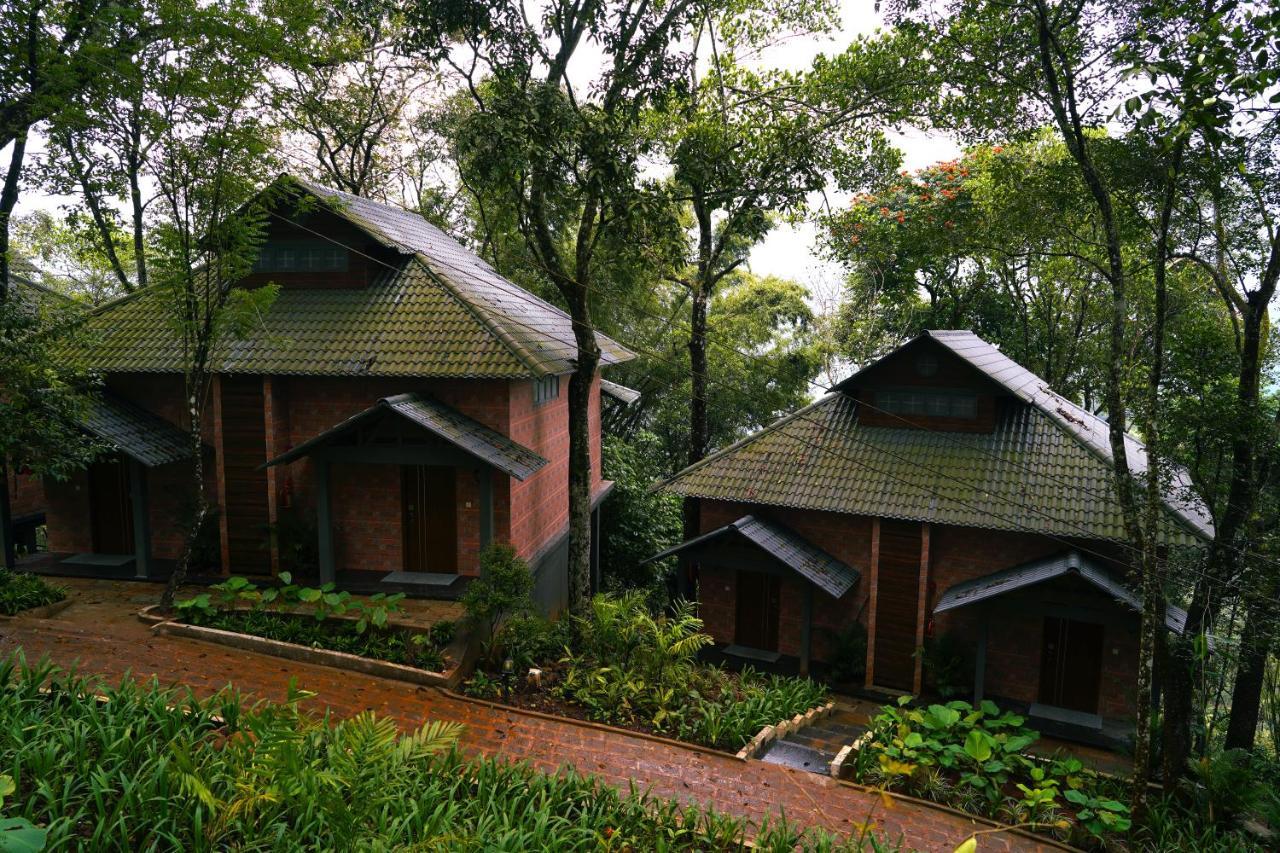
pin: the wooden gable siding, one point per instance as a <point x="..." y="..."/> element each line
<point x="953" y="375"/>
<point x="367" y="259"/>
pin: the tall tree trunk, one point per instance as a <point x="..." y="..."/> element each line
<point x="1246" y="695"/>
<point x="580" y="469"/>
<point x="197" y="395"/>
<point x="8" y="200"/>
<point x="699" y="430"/>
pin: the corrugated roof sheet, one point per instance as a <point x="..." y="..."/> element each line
<point x="1038" y="571"/>
<point x="624" y="395"/>
<point x="442" y="421"/>
<point x="833" y="576"/>
<point x="443" y="313"/>
<point x="135" y="432"/>
<point x="1027" y="474"/>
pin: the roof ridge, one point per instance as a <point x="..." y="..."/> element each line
<point x="745" y="440"/>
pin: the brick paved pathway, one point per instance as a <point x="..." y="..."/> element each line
<point x="101" y="635"/>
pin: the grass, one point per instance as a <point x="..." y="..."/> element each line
<point x="395" y="645"/>
<point x="157" y="769"/>
<point x="21" y="591"/>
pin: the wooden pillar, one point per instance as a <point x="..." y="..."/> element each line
<point x="595" y="549"/>
<point x="980" y="663"/>
<point x="220" y="472"/>
<point x="871" y="602"/>
<point x="485" y="476"/>
<point x="922" y="608"/>
<point x="806" y="630"/>
<point x="8" y="549"/>
<point x="324" y="522"/>
<point x="141" y="508"/>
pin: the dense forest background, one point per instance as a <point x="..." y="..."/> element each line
<point x="1111" y="224"/>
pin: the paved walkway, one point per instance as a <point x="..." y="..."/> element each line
<point x="100" y="633"/>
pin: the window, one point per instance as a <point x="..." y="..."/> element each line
<point x="545" y="389"/>
<point x="929" y="403"/>
<point x="302" y="256"/>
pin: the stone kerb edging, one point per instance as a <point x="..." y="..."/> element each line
<point x="837" y="767"/>
<point x="460" y="651"/>
<point x="44" y="611"/>
<point x="784" y="728"/>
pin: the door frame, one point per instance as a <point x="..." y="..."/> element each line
<point x="123" y="481"/>
<point x="411" y="474"/>
<point x="770" y="608"/>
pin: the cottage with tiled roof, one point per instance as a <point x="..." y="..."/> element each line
<point x="941" y="492"/>
<point x="400" y="406"/>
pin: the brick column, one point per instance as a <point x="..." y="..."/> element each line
<point x="224" y="532"/>
<point x="273" y="515"/>
<point x="871" y="601"/>
<point x="922" y="608"/>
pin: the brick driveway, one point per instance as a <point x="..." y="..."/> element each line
<point x="100" y="633"/>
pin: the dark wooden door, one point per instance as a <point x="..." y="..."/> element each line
<point x="110" y="508"/>
<point x="897" y="604"/>
<point x="244" y="449"/>
<point x="759" y="600"/>
<point x="1071" y="664"/>
<point x="428" y="498"/>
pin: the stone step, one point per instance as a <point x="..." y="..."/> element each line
<point x="788" y="753"/>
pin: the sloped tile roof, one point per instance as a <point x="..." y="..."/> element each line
<point x="785" y="545"/>
<point x="135" y="432"/>
<point x="1038" y="571"/>
<point x="1027" y="474"/>
<point x="538" y="331"/>
<point x="440" y="420"/>
<point x="442" y="313"/>
<point x="624" y="395"/>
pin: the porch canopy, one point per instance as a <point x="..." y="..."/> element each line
<point x="410" y="429"/>
<point x="146" y="441"/>
<point x="1039" y="571"/>
<point x="780" y="546"/>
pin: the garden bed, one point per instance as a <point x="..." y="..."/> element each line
<point x="22" y="593"/>
<point x="320" y="626"/>
<point x="623" y="666"/>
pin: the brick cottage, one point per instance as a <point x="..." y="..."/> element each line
<point x="943" y="492"/>
<point x="400" y="406"/>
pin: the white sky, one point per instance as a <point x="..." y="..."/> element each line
<point x="789" y="251"/>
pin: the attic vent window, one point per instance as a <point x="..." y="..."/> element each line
<point x="545" y="389"/>
<point x="301" y="256"/>
<point x="932" y="404"/>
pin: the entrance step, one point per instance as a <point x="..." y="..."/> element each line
<point x="814" y="747"/>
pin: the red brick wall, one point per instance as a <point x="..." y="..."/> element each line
<point x="67" y="515"/>
<point x="26" y="494"/>
<point x="1016" y="622"/>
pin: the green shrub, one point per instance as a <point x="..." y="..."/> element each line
<point x="849" y="654"/>
<point x="155" y="769"/>
<point x="21" y="591"/>
<point x="504" y="588"/>
<point x="530" y="640"/>
<point x="1227" y="787"/>
<point x="948" y="665"/>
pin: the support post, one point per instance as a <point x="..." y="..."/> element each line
<point x="140" y="507"/>
<point x="806" y="630"/>
<point x="8" y="549"/>
<point x="980" y="663"/>
<point x="595" y="549"/>
<point x="922" y="608"/>
<point x="324" y="523"/>
<point x="871" y="602"/>
<point x="485" y="477"/>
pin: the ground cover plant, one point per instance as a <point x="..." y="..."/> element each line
<point x="319" y="617"/>
<point x="213" y="775"/>
<point x="979" y="760"/>
<point x="21" y="591"/>
<point x="620" y="663"/>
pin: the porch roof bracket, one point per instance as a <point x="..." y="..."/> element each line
<point x="786" y="546"/>
<point x="1038" y="571"/>
<point x="437" y="419"/>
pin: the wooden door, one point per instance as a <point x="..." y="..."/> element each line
<point x="897" y="604"/>
<point x="110" y="507"/>
<point x="244" y="450"/>
<point x="428" y="499"/>
<point x="1071" y="664"/>
<point x="759" y="600"/>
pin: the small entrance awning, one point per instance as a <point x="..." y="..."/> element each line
<point x="435" y="418"/>
<point x="1039" y="571"/>
<point x="134" y="431"/>
<point x="624" y="395"/>
<point x="784" y="545"/>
